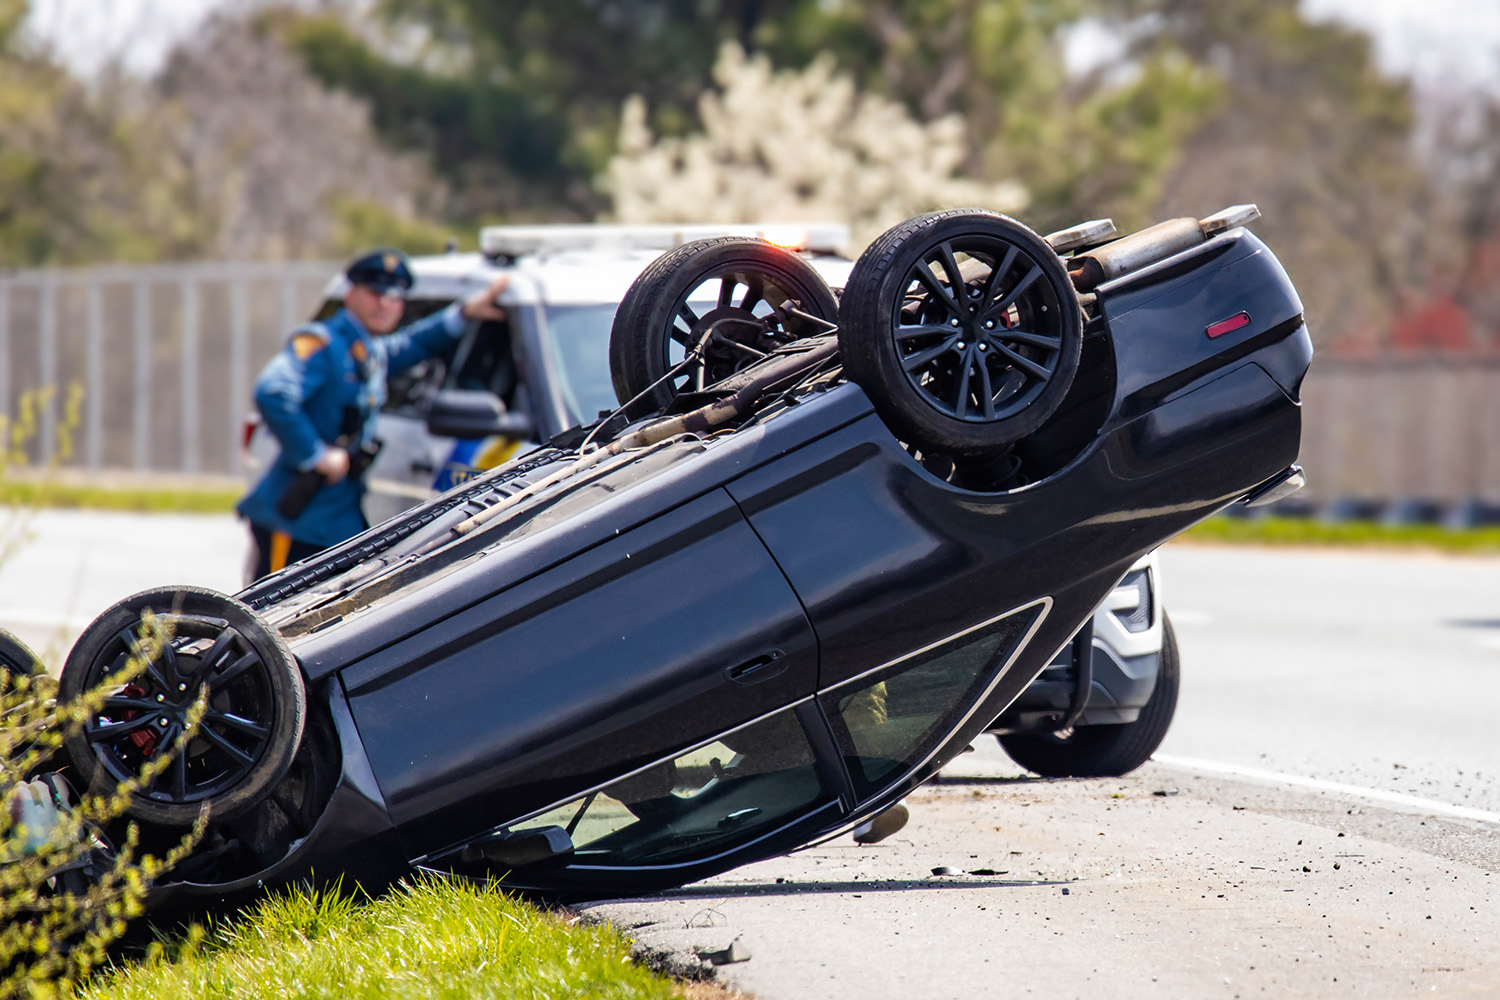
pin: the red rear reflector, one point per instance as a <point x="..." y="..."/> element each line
<point x="1229" y="325"/>
<point x="247" y="432"/>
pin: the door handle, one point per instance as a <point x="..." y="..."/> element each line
<point x="762" y="668"/>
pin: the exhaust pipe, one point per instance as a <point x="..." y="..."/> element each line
<point x="1133" y="252"/>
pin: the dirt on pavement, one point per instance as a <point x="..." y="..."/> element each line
<point x="1165" y="883"/>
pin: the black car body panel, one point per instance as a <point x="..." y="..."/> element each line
<point x="760" y="587"/>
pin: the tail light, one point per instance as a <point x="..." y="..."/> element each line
<point x="248" y="431"/>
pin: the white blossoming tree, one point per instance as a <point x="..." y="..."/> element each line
<point x="795" y="146"/>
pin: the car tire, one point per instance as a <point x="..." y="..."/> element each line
<point x="655" y="324"/>
<point x="246" y="741"/>
<point x="1106" y="751"/>
<point x="970" y="374"/>
<point x="17" y="658"/>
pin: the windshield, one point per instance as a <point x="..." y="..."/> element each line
<point x="578" y="338"/>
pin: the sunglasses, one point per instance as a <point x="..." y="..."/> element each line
<point x="391" y="293"/>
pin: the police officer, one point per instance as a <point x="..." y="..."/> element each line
<point x="319" y="396"/>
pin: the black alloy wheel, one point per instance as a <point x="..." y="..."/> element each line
<point x="730" y="299"/>
<point x="250" y="730"/>
<point x="964" y="329"/>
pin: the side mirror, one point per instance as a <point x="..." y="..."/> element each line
<point x="511" y="849"/>
<point x="474" y="413"/>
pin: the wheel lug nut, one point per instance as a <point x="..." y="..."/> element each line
<point x="960" y="345"/>
<point x="989" y="324"/>
<point x="953" y="321"/>
<point x="163" y="722"/>
<point x="984" y="347"/>
<point x="182" y="687"/>
<point x="161" y="697"/>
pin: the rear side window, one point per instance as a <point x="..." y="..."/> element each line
<point x="887" y="722"/>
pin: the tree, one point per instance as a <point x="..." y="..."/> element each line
<point x="79" y="179"/>
<point x="278" y="165"/>
<point x="532" y="91"/>
<point x="1311" y="131"/>
<point x="1085" y="144"/>
<point x="794" y="146"/>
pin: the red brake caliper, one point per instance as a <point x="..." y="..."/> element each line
<point x="144" y="739"/>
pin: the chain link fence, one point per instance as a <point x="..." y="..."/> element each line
<point x="166" y="357"/>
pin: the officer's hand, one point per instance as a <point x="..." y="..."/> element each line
<point x="482" y="305"/>
<point x="333" y="464"/>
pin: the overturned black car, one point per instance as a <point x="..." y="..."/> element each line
<point x="822" y="545"/>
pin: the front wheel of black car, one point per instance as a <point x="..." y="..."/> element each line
<point x="729" y="300"/>
<point x="187" y="643"/>
<point x="1106" y="751"/>
<point x="963" y="328"/>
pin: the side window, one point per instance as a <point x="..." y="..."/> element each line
<point x="706" y="800"/>
<point x="486" y="361"/>
<point x="887" y="722"/>
<point x="405" y="390"/>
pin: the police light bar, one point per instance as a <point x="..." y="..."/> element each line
<point x="513" y="241"/>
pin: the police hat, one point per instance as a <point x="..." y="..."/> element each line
<point x="383" y="269"/>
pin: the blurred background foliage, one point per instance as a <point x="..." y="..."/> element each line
<point x="287" y="129"/>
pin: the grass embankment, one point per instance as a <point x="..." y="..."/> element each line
<point x="1345" y="534"/>
<point x="35" y="493"/>
<point x="433" y="938"/>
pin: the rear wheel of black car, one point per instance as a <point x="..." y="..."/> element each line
<point x="197" y="639"/>
<point x="1106" y="751"/>
<point x="16" y="659"/>
<point x="963" y="328"/>
<point x="729" y="298"/>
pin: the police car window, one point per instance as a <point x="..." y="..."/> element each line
<point x="578" y="344"/>
<point x="486" y="361"/>
<point x="405" y="389"/>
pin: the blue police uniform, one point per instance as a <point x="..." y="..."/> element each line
<point x="307" y="394"/>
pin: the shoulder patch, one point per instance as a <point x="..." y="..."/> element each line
<point x="305" y="345"/>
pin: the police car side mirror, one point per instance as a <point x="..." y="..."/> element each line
<point x="474" y="413"/>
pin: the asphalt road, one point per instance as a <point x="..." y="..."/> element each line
<point x="1368" y="669"/>
<point x="1329" y="828"/>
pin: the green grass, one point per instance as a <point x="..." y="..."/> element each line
<point x="30" y="493"/>
<point x="433" y="938"/>
<point x="1346" y="534"/>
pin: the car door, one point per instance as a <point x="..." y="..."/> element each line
<point x="611" y="661"/>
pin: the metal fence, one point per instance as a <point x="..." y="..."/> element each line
<point x="1397" y="428"/>
<point x="166" y="357"/>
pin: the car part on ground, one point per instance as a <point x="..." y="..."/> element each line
<point x="655" y="650"/>
<point x="1105" y="751"/>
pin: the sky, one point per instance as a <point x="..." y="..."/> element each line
<point x="1455" y="42"/>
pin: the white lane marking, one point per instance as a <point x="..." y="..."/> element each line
<point x="41" y="619"/>
<point x="1374" y="794"/>
<point x="1189" y="617"/>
